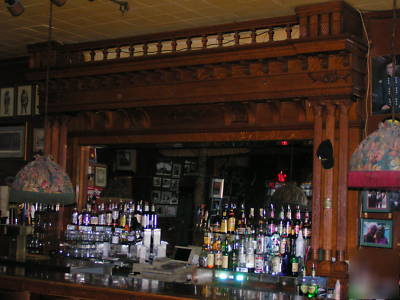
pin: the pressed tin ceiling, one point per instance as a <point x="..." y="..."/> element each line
<point x="83" y="20"/>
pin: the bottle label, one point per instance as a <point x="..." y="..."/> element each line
<point x="282" y="248"/>
<point x="250" y="260"/>
<point x="225" y="261"/>
<point x="295" y="267"/>
<point x="210" y="260"/>
<point x="306" y="232"/>
<point x="231" y="224"/>
<point x="94" y="220"/>
<point x="102" y="219"/>
<point x="241" y="230"/>
<point x="115" y="239"/>
<point x="224" y="226"/>
<point x="259" y="264"/>
<point x="276" y="264"/>
<point x="218" y="259"/>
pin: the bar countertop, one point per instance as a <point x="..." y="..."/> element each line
<point x="99" y="286"/>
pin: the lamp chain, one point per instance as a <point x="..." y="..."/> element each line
<point x="392" y="92"/>
<point x="50" y="31"/>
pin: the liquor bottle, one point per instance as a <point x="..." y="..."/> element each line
<point x="109" y="214"/>
<point x="123" y="214"/>
<point x="281" y="221"/>
<point x="210" y="258"/>
<point x="115" y="215"/>
<point x="294" y="262"/>
<point x="224" y="221"/>
<point x="313" y="287"/>
<point x="94" y="219"/>
<point x="251" y="222"/>
<point x="260" y="250"/>
<point x="242" y="257"/>
<point x="288" y="221"/>
<point x="138" y="212"/>
<point x="225" y="254"/>
<point x="154" y="217"/>
<point x="145" y="216"/>
<point x="85" y="217"/>
<point x="297" y="224"/>
<point x="231" y="220"/>
<point x="261" y="220"/>
<point x="75" y="214"/>
<point x="203" y="257"/>
<point x="234" y="253"/>
<point x="250" y="257"/>
<point x="307" y="226"/>
<point x="285" y="268"/>
<point x="217" y="253"/>
<point x="242" y="222"/>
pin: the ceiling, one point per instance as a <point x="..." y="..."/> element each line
<point x="89" y="20"/>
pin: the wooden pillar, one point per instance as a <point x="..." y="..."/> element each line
<point x="47" y="137"/>
<point x="316" y="186"/>
<point x="62" y="146"/>
<point x="341" y="231"/>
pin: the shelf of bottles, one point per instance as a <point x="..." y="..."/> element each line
<point x="264" y="243"/>
<point x="112" y="230"/>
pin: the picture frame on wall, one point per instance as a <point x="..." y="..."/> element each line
<point x="126" y="160"/>
<point x="7" y="102"/>
<point x="157" y="181"/>
<point x="217" y="188"/>
<point x="12" y="141"/>
<point x="100" y="177"/>
<point x="166" y="183"/>
<point x="164" y="168"/>
<point x="156" y="196"/>
<point x="376" y="233"/>
<point x="38" y="140"/>
<point x="24" y="100"/>
<point x="375" y="201"/>
<point x="176" y="170"/>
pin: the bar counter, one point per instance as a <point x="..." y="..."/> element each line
<point x="99" y="286"/>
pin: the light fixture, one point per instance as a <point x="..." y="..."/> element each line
<point x="43" y="180"/>
<point x="59" y="2"/>
<point x="15" y="7"/>
<point x="376" y="161"/>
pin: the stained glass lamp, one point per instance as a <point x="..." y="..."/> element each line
<point x="376" y="161"/>
<point x="43" y="181"/>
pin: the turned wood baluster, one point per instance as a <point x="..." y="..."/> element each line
<point x="220" y="39"/>
<point x="236" y="37"/>
<point x="271" y="34"/>
<point x="92" y="54"/>
<point x="189" y="43"/>
<point x="145" y="49"/>
<point x="316" y="185"/>
<point x="159" y="47"/>
<point x="324" y="24"/>
<point x="118" y="52"/>
<point x="173" y="45"/>
<point x="253" y="36"/>
<point x="131" y="50"/>
<point x="288" y="30"/>
<point x="105" y="53"/>
<point x="204" y="41"/>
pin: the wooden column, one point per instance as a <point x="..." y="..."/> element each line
<point x="55" y="139"/>
<point x="62" y="144"/>
<point x="324" y="268"/>
<point x="340" y="266"/>
<point x="316" y="205"/>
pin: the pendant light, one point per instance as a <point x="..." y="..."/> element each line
<point x="376" y="161"/>
<point x="43" y="180"/>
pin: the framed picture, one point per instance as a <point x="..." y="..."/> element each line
<point x="394" y="200"/>
<point x="217" y="188"/>
<point x="156" y="196"/>
<point x="165" y="197"/>
<point x="170" y="211"/>
<point x="174" y="198"/>
<point x="166" y="183"/>
<point x="375" y="201"/>
<point x="176" y="170"/>
<point x="174" y="185"/>
<point x="157" y="181"/>
<point x="164" y="168"/>
<point x="126" y="160"/>
<point x="38" y="140"/>
<point x="100" y="177"/>
<point x="24" y="102"/>
<point x="7" y="102"/>
<point x="376" y="233"/>
<point x="12" y="141"/>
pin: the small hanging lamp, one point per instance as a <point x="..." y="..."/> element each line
<point x="376" y="161"/>
<point x="44" y="181"/>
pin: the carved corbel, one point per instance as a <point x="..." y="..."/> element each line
<point x="240" y="113"/>
<point x="136" y="118"/>
<point x="107" y="118"/>
<point x="324" y="60"/>
<point x="301" y="108"/>
<point x="88" y="118"/>
<point x="245" y="65"/>
<point x="303" y="62"/>
<point x="275" y="108"/>
<point x="228" y="69"/>
<point x="264" y="65"/>
<point x="284" y="64"/>
<point x="345" y="58"/>
<point x="327" y="77"/>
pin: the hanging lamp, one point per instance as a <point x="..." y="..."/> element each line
<point x="376" y="161"/>
<point x="43" y="180"/>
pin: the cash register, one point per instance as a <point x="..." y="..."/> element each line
<point x="174" y="269"/>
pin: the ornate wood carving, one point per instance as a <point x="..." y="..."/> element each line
<point x="328" y="77"/>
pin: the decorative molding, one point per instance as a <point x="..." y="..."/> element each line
<point x="327" y="77"/>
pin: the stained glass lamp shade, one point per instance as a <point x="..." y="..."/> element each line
<point x="44" y="181"/>
<point x="376" y="161"/>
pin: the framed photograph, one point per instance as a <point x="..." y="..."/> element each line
<point x="164" y="168"/>
<point x="376" y="233"/>
<point x="38" y="140"/>
<point x="165" y="197"/>
<point x="100" y="177"/>
<point x="7" y="102"/>
<point x="157" y="181"/>
<point x="174" y="185"/>
<point x="24" y="102"/>
<point x="189" y="167"/>
<point x="12" y="141"/>
<point x="174" y="198"/>
<point x="176" y="170"/>
<point x="170" y="211"/>
<point x="126" y="160"/>
<point x="156" y="196"/>
<point x="166" y="183"/>
<point x="217" y="188"/>
<point x="394" y="200"/>
<point x="375" y="201"/>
